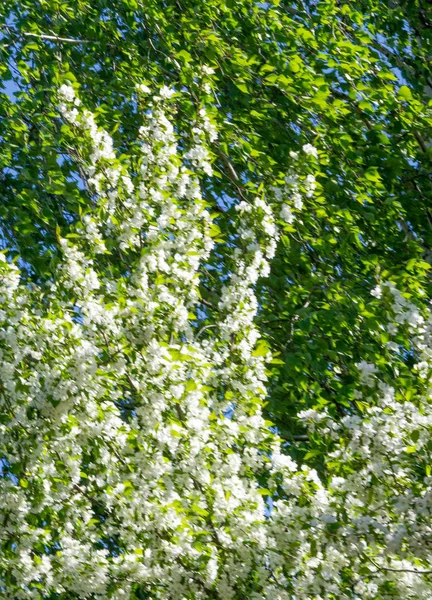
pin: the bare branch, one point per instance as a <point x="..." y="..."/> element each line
<point x="56" y="38"/>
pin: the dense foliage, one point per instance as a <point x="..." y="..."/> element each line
<point x="210" y="210"/>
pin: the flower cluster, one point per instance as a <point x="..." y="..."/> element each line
<point x="296" y="185"/>
<point x="135" y="455"/>
<point x="379" y="461"/>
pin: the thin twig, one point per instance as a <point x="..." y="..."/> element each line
<point x="416" y="571"/>
<point x="56" y="38"/>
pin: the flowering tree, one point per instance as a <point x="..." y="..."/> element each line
<point x="136" y="458"/>
<point x="174" y="234"/>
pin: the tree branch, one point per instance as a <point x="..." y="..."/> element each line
<point x="56" y="38"/>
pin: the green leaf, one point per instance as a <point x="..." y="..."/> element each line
<point x="405" y="93"/>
